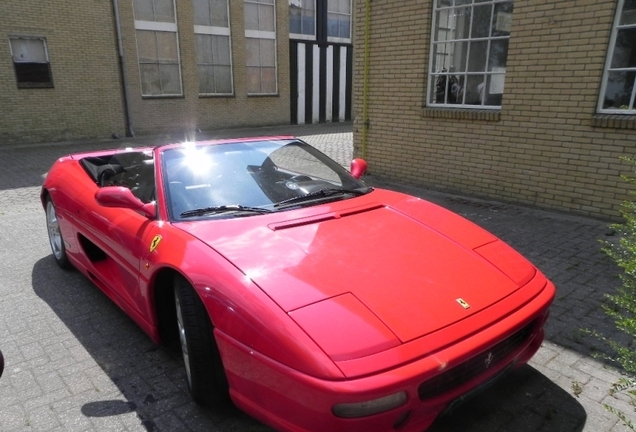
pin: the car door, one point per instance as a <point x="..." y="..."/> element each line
<point x="118" y="234"/>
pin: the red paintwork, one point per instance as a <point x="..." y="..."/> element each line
<point x="343" y="302"/>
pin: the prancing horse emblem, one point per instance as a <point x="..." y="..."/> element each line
<point x="462" y="303"/>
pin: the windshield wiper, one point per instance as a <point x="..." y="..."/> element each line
<point x="322" y="193"/>
<point x="224" y="209"/>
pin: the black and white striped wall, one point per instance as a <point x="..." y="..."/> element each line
<point x="321" y="82"/>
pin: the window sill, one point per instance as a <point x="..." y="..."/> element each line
<point x="616" y="121"/>
<point x="462" y="113"/>
<point x="262" y="95"/>
<point x="150" y="97"/>
<point x="220" y="95"/>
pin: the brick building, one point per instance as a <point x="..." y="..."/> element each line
<point x="526" y="101"/>
<point x="94" y="68"/>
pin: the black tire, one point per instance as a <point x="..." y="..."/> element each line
<point x="204" y="370"/>
<point x="55" y="236"/>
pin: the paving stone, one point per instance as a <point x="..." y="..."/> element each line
<point x="74" y="362"/>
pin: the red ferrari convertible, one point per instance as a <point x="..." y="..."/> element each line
<point x="314" y="302"/>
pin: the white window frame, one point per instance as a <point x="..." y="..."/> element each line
<point x="160" y="26"/>
<point x="303" y="36"/>
<point x="341" y="39"/>
<point x="219" y="31"/>
<point x="271" y="35"/>
<point x="608" y="67"/>
<point x="495" y="77"/>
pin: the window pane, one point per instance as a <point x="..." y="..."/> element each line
<point x="458" y="59"/>
<point x="221" y="45"/>
<point x="447" y="89"/>
<point x="164" y="11"/>
<point x="219" y="13"/>
<point x="146" y="46"/>
<point x="442" y="26"/>
<point x="167" y="47"/>
<point x="625" y="49"/>
<point x="477" y="58"/>
<point x="206" y="79"/>
<point x="481" y="21"/>
<point x="475" y="89"/>
<point x="266" y="18"/>
<point x="150" y="82"/>
<point x="494" y="90"/>
<point x="252" y="52"/>
<point x="301" y="19"/>
<point x="251" y="16"/>
<point x="204" y="49"/>
<point x="442" y="54"/>
<point x="202" y="12"/>
<point x="345" y="31"/>
<point x="143" y="10"/>
<point x="253" y="80"/>
<point x="268" y="77"/>
<point x="295" y="20"/>
<point x="629" y="13"/>
<point x="223" y="79"/>
<point x="28" y="50"/>
<point x="339" y="19"/>
<point x="170" y="82"/>
<point x="332" y="25"/>
<point x="268" y="56"/>
<point x="498" y="54"/>
<point x="33" y="75"/>
<point x="503" y="19"/>
<point x="618" y="92"/>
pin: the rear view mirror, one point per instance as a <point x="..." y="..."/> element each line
<point x="358" y="167"/>
<point x="122" y="197"/>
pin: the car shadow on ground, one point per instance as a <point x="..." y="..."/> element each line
<point x="152" y="382"/>
<point x="151" y="378"/>
<point x="523" y="401"/>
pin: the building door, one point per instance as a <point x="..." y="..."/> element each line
<point x="321" y="60"/>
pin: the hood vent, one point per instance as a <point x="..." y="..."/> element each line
<point x="323" y="217"/>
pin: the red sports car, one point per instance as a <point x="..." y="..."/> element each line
<point x="314" y="302"/>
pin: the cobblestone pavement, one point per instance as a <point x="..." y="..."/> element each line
<point x="74" y="362"/>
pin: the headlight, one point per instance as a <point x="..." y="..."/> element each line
<point x="367" y="408"/>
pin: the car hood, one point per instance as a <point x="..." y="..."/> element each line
<point x="396" y="270"/>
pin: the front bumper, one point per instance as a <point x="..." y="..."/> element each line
<point x="292" y="401"/>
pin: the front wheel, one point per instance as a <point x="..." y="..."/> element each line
<point x="204" y="370"/>
<point x="55" y="236"/>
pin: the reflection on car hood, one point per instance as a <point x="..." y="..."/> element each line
<point x="410" y="275"/>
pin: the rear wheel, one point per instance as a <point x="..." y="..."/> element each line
<point x="204" y="370"/>
<point x="55" y="236"/>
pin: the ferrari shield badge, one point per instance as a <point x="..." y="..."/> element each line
<point x="462" y="303"/>
<point x="155" y="242"/>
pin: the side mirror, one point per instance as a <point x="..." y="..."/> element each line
<point x="358" y="167"/>
<point x="1" y="363"/>
<point x="122" y="197"/>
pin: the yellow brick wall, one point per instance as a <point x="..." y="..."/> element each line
<point x="545" y="148"/>
<point x="86" y="99"/>
<point x="87" y="102"/>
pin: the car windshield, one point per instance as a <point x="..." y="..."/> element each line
<point x="251" y="178"/>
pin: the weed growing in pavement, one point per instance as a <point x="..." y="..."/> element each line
<point x="621" y="306"/>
